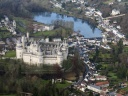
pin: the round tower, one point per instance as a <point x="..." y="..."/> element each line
<point x="59" y="57"/>
<point x="27" y="35"/>
<point x="65" y="53"/>
<point x="19" y="50"/>
<point x="65" y="49"/>
<point x="40" y="56"/>
<point x="23" y="41"/>
<point x="47" y="40"/>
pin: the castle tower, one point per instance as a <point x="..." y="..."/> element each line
<point x="27" y="35"/>
<point x="65" y="50"/>
<point x="59" y="57"/>
<point x="19" y="50"/>
<point x="40" y="56"/>
<point x="47" y="40"/>
<point x="23" y="41"/>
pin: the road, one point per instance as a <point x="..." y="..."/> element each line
<point x="114" y="16"/>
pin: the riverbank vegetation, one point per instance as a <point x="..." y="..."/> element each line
<point x="57" y="32"/>
<point x="25" y="25"/>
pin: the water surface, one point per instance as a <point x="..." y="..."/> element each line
<point x="87" y="29"/>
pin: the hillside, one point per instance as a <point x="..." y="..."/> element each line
<point x="22" y="8"/>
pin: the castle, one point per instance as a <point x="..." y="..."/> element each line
<point x="41" y="51"/>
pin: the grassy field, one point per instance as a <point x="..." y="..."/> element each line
<point x="45" y="33"/>
<point x="105" y="55"/>
<point x="26" y="25"/>
<point x="56" y="32"/>
<point x="22" y="24"/>
<point x="63" y="85"/>
<point x="5" y="34"/>
<point x="112" y="75"/>
<point x="10" y="54"/>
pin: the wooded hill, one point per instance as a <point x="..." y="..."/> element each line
<point x="23" y="8"/>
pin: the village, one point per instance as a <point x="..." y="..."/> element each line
<point x="84" y="46"/>
<point x="111" y="34"/>
<point x="93" y="80"/>
<point x="111" y="31"/>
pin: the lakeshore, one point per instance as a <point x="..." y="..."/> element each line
<point x="86" y="28"/>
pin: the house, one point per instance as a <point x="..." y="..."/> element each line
<point x="41" y="27"/>
<point x="81" y="1"/>
<point x="102" y="84"/>
<point x="100" y="78"/>
<point x="119" y="0"/>
<point x="125" y="42"/>
<point x="81" y="88"/>
<point x="104" y="39"/>
<point x="98" y="13"/>
<point x="114" y="94"/>
<point x="118" y="27"/>
<point x="92" y="40"/>
<point x="58" y="5"/>
<point x="92" y="79"/>
<point x="73" y="1"/>
<point x="94" y="88"/>
<point x="115" y="12"/>
<point x="110" y="3"/>
<point x="123" y="85"/>
<point x="2" y="43"/>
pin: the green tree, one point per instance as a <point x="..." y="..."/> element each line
<point x="95" y="58"/>
<point x="120" y="46"/>
<point x="90" y="93"/>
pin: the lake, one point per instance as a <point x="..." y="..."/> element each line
<point x="85" y="27"/>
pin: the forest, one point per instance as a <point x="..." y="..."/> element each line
<point x="22" y="8"/>
<point x="18" y="78"/>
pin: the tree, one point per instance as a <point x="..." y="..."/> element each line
<point x="95" y="58"/>
<point x="120" y="46"/>
<point x="90" y="93"/>
<point x="63" y="5"/>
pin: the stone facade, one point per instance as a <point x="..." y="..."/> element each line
<point x="41" y="51"/>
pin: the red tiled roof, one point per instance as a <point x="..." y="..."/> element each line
<point x="119" y="95"/>
<point x="101" y="83"/>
